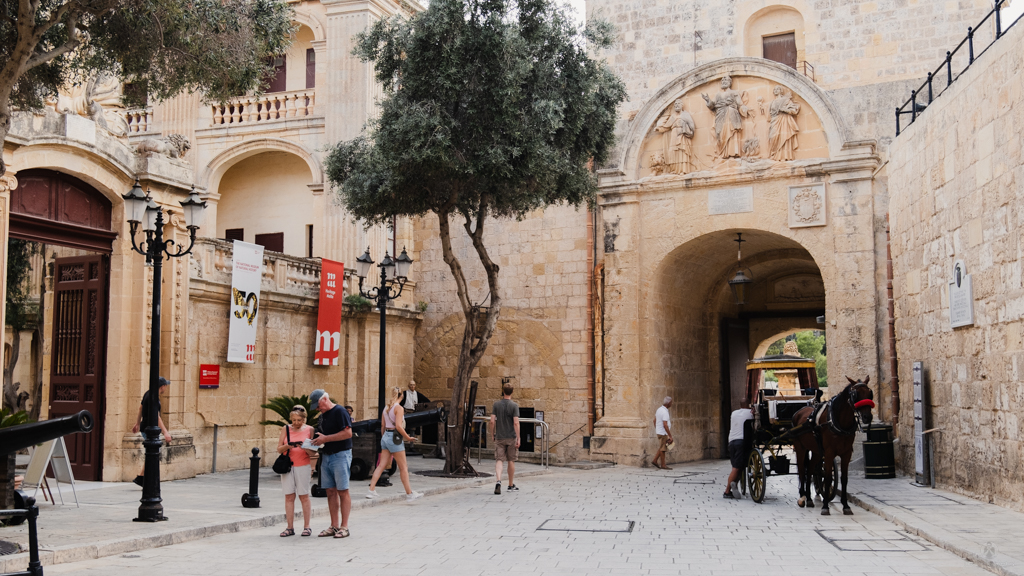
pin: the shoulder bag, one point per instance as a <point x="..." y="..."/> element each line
<point x="283" y="464"/>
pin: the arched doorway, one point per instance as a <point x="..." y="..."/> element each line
<point x="70" y="221"/>
<point x="703" y="338"/>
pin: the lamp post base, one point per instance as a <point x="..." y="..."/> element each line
<point x="150" y="514"/>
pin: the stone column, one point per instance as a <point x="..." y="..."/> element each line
<point x="7" y="183"/>
<point x="618" y="435"/>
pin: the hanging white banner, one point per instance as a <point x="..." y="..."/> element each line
<point x="246" y="274"/>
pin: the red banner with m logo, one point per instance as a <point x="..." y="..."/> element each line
<point x="328" y="322"/>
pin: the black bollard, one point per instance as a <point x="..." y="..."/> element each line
<point x="252" y="498"/>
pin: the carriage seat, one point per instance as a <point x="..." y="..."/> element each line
<point x="782" y="408"/>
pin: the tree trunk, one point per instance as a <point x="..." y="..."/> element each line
<point x="474" y="337"/>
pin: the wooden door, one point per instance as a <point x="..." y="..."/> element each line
<point x="78" y="358"/>
<point x="781" y="48"/>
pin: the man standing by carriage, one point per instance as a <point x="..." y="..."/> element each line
<point x="738" y="448"/>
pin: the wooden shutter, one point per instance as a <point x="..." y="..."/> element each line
<point x="235" y="234"/>
<point x="310" y="68"/>
<point x="781" y="48"/>
<point x="273" y="242"/>
<point x="277" y="82"/>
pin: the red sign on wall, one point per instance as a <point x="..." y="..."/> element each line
<point x="328" y="322"/>
<point x="209" y="375"/>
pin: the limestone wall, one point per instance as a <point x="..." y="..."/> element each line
<point x="955" y="180"/>
<point x="542" y="336"/>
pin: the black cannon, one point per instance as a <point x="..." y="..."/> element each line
<point x="24" y="435"/>
<point x="18" y="437"/>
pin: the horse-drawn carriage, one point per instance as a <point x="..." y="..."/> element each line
<point x="774" y="404"/>
<point x="788" y="418"/>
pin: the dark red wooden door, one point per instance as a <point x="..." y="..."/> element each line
<point x="781" y="48"/>
<point x="78" y="358"/>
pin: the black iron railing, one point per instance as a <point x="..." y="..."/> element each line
<point x="956" y="63"/>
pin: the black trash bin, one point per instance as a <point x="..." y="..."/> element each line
<point x="879" y="459"/>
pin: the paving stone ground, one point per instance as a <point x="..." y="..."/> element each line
<point x="612" y="521"/>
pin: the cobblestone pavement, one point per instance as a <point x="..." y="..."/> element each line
<point x="611" y="521"/>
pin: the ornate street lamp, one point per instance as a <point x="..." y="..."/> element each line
<point x="141" y="209"/>
<point x="741" y="280"/>
<point x="393" y="275"/>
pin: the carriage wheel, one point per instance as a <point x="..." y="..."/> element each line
<point x="756" y="476"/>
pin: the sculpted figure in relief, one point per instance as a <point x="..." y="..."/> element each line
<point x="99" y="99"/>
<point x="679" y="146"/>
<point x="782" y="134"/>
<point x="729" y="114"/>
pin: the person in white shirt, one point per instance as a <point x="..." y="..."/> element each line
<point x="411" y="397"/>
<point x="663" y="429"/>
<point x="737" y="453"/>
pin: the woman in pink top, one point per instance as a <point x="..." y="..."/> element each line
<point x="392" y="445"/>
<point x="297" y="480"/>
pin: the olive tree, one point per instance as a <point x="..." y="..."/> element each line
<point x="491" y="109"/>
<point x="218" y="48"/>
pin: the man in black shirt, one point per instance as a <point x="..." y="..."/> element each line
<point x="142" y="422"/>
<point x="334" y="436"/>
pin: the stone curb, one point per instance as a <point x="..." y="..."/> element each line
<point x="51" y="555"/>
<point x="994" y="562"/>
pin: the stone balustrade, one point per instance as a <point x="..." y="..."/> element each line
<point x="139" y="120"/>
<point x="212" y="261"/>
<point x="276" y="106"/>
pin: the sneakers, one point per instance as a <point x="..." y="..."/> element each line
<point x="512" y="488"/>
<point x="371" y="494"/>
<point x="497" y="488"/>
<point x="138" y="480"/>
<point x="735" y="489"/>
<point x="413" y="496"/>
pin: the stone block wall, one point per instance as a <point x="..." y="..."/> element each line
<point x="955" y="181"/>
<point x="542" y="338"/>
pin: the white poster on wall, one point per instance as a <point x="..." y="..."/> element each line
<point x="246" y="274"/>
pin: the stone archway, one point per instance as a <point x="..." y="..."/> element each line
<point x="808" y="217"/>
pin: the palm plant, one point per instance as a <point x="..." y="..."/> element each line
<point x="282" y="406"/>
<point x="7" y="418"/>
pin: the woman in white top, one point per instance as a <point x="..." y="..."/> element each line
<point x="392" y="445"/>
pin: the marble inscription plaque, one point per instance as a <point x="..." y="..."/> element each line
<point x="961" y="297"/>
<point x="730" y="201"/>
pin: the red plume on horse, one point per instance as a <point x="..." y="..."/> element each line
<point x="830" y="431"/>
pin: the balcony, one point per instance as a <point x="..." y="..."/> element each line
<point x="140" y="120"/>
<point x="286" y="275"/>
<point x="265" y="108"/>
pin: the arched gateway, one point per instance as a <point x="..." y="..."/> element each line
<point x="744" y="146"/>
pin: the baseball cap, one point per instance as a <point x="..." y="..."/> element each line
<point x="315" y="396"/>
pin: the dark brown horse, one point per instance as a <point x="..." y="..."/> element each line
<point x="831" y="434"/>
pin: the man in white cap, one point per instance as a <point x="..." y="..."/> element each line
<point x="334" y="436"/>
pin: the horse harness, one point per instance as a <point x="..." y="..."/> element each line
<point x="822" y="413"/>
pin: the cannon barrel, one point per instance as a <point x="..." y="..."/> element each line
<point x="24" y="435"/>
<point x="413" y="420"/>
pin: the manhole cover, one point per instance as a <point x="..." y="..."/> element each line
<point x="8" y="548"/>
<point x="684" y="481"/>
<point x="588" y="525"/>
<point x="869" y="541"/>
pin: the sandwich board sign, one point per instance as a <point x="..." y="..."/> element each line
<point x="55" y="454"/>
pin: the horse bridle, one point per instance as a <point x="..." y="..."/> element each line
<point x="848" y="396"/>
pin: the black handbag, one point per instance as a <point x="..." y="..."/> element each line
<point x="283" y="464"/>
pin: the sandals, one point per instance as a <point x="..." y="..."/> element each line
<point x="288" y="532"/>
<point x="329" y="532"/>
<point x="342" y="533"/>
<point x="307" y="531"/>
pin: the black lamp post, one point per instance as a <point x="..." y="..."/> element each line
<point x="741" y="280"/>
<point x="142" y="209"/>
<point x="393" y="275"/>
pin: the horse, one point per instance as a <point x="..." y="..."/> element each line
<point x="838" y="424"/>
<point x="808" y="456"/>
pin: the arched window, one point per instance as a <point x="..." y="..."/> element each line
<point x="775" y="33"/>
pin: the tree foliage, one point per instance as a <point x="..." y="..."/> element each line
<point x="491" y="108"/>
<point x="19" y="267"/>
<point x="282" y="406"/>
<point x="218" y="48"/>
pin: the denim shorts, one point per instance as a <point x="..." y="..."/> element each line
<point x="387" y="444"/>
<point x="335" y="470"/>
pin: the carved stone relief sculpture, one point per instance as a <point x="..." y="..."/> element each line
<point x="98" y="99"/>
<point x="782" y="134"/>
<point x="807" y="206"/>
<point x="173" y="146"/>
<point x="729" y="112"/>
<point x="679" y="127"/>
